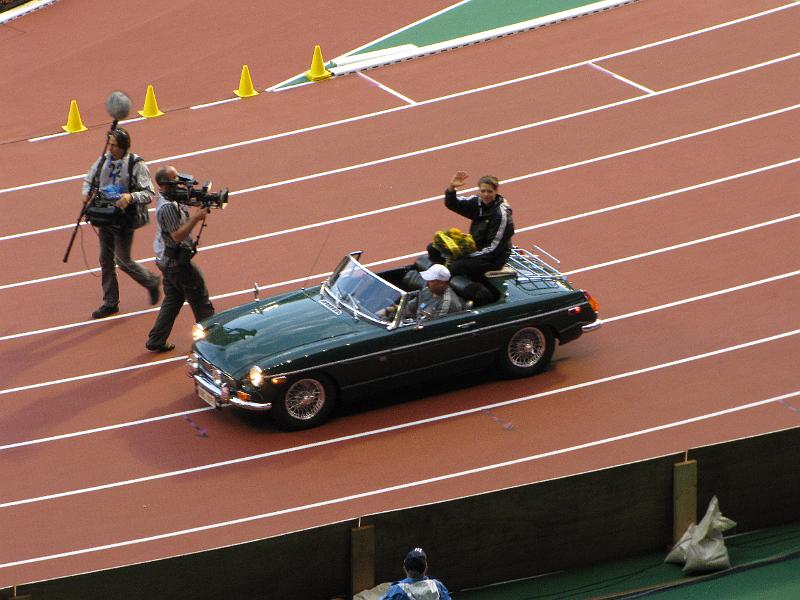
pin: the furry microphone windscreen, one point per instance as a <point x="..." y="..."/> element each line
<point x="118" y="105"/>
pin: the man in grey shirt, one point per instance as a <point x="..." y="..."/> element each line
<point x="436" y="299"/>
<point x="174" y="250"/>
<point x="123" y="176"/>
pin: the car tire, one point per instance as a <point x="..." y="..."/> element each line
<point x="528" y="351"/>
<point x="304" y="402"/>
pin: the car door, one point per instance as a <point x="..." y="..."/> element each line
<point x="447" y="342"/>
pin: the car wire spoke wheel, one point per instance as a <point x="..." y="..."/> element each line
<point x="526" y="347"/>
<point x="528" y="351"/>
<point x="305" y="398"/>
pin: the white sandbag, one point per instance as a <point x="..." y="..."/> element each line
<point x="702" y="547"/>
<point x="709" y="554"/>
<point x="375" y="593"/>
<point x="678" y="553"/>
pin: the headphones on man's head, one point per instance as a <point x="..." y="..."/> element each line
<point x="123" y="138"/>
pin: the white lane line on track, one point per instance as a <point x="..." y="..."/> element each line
<point x="320" y="276"/>
<point x="432" y="198"/>
<point x="64" y="436"/>
<point x="606" y="320"/>
<point x="452" y="144"/>
<point x="418" y="483"/>
<point x="638" y="86"/>
<point x="391" y="428"/>
<point x="387" y="89"/>
<point x="702" y="240"/>
<point x="449" y="97"/>
<point x="689" y="188"/>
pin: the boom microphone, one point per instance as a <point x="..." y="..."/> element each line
<point x="118" y="105"/>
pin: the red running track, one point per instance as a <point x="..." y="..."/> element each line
<point x="674" y="206"/>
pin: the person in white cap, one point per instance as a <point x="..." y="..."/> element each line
<point x="436" y="299"/>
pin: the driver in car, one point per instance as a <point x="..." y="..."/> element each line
<point x="436" y="299"/>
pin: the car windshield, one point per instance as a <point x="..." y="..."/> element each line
<point x="363" y="293"/>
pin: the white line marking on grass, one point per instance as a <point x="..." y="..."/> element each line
<point x="622" y="79"/>
<point x="387" y="89"/>
<point x="413" y="484"/>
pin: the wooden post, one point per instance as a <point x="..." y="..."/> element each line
<point x="684" y="497"/>
<point x="362" y="558"/>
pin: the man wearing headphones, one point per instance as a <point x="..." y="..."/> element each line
<point x="124" y="176"/>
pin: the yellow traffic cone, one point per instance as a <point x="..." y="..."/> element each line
<point x="150" y="109"/>
<point x="318" y="72"/>
<point x="74" y="123"/>
<point x="246" y="88"/>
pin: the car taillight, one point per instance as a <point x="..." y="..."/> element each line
<point x="592" y="302"/>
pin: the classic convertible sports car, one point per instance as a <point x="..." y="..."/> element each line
<point x="295" y="354"/>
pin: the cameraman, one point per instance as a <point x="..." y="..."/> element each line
<point x="174" y="250"/>
<point x="125" y="175"/>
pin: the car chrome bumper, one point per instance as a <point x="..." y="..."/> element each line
<point x="592" y="326"/>
<point x="223" y="398"/>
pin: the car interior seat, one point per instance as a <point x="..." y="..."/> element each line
<point x="475" y="292"/>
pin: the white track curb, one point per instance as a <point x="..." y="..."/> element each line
<point x="23" y="9"/>
<point x="348" y="63"/>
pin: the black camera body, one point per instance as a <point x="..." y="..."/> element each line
<point x="183" y="191"/>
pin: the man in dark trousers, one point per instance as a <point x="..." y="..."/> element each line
<point x="174" y="250"/>
<point x="123" y="176"/>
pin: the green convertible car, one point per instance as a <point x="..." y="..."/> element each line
<point x="295" y="354"/>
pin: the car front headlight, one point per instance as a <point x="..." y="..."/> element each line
<point x="256" y="376"/>
<point x="198" y="332"/>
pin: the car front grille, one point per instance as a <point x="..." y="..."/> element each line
<point x="208" y="371"/>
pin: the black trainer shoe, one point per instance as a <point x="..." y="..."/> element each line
<point x="159" y="349"/>
<point x="155" y="293"/>
<point x="105" y="311"/>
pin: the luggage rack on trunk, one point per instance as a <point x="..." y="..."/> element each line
<point x="532" y="268"/>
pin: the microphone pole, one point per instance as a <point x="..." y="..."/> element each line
<point x="89" y="197"/>
<point x="118" y="105"/>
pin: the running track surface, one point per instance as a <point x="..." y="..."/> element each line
<point x="662" y="175"/>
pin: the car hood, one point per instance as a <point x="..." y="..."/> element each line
<point x="271" y="331"/>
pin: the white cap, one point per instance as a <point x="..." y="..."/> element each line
<point x="438" y="272"/>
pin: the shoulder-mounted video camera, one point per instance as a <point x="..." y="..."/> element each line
<point x="182" y="190"/>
